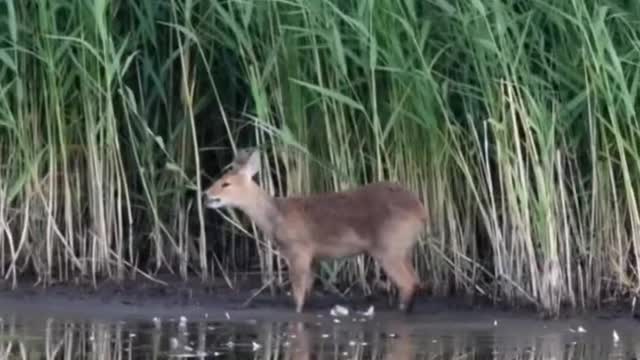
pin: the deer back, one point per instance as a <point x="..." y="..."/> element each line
<point x="377" y="216"/>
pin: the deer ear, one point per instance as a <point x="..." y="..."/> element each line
<point x="247" y="162"/>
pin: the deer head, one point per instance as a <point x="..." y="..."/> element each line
<point x="236" y="187"/>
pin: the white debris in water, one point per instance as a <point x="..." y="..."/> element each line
<point x="183" y="322"/>
<point x="255" y="346"/>
<point x="495" y="322"/>
<point x="337" y="321"/>
<point x="434" y="341"/>
<point x="173" y="343"/>
<point x="216" y="353"/>
<point x="370" y="311"/>
<point x="324" y="336"/>
<point x="339" y="310"/>
<point x="227" y="315"/>
<point x="188" y="348"/>
<point x="345" y="353"/>
<point x="206" y="315"/>
<point x="616" y="338"/>
<point x="156" y="322"/>
<point x="230" y="344"/>
<point x="132" y="335"/>
<point x="392" y="335"/>
<point x="352" y="343"/>
<point x="581" y="329"/>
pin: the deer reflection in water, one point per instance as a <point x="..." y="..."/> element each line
<point x="308" y="342"/>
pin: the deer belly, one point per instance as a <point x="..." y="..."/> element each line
<point x="341" y="245"/>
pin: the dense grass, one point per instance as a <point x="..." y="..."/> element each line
<point x="515" y="121"/>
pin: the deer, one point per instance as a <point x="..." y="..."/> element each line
<point x="381" y="219"/>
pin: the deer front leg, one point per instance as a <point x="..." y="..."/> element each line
<point x="301" y="278"/>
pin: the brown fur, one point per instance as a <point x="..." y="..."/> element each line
<point x="381" y="219"/>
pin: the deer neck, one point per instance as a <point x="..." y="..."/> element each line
<point x="263" y="211"/>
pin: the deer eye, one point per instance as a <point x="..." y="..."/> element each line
<point x="225" y="184"/>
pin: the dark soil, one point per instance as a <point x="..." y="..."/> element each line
<point x="143" y="298"/>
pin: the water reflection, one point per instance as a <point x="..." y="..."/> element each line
<point x="390" y="339"/>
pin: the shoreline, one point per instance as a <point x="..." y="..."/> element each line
<point x="143" y="299"/>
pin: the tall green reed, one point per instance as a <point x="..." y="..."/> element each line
<point x="97" y="144"/>
<point x="515" y="122"/>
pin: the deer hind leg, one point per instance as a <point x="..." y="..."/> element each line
<point x="301" y="278"/>
<point x="401" y="272"/>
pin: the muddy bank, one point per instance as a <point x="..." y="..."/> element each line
<point x="118" y="322"/>
<point x="144" y="299"/>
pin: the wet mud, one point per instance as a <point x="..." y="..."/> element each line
<point x="145" y="320"/>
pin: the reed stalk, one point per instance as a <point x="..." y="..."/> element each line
<point x="515" y="122"/>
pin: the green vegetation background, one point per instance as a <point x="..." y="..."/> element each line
<point x="515" y="121"/>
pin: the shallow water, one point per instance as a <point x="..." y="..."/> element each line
<point x="319" y="336"/>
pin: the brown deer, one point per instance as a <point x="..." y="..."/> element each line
<point x="380" y="219"/>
